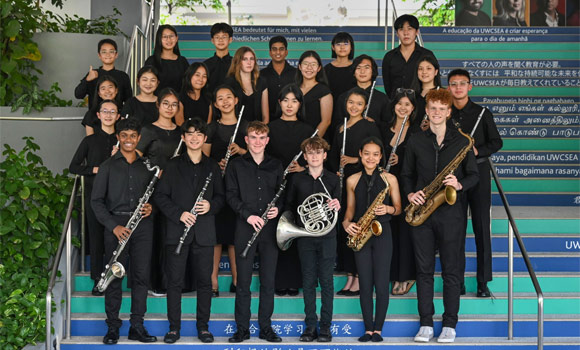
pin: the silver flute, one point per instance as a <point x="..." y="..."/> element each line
<point x="394" y="150"/>
<point x="369" y="101"/>
<point x="194" y="212"/>
<point x="342" y="151"/>
<point x="232" y="140"/>
<point x="114" y="269"/>
<point x="287" y="170"/>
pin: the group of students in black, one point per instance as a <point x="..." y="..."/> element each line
<point x="184" y="120"/>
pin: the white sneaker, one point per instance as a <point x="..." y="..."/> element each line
<point x="425" y="334"/>
<point x="447" y="335"/>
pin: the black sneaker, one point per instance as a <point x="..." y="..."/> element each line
<point x="309" y="335"/>
<point x="138" y="332"/>
<point x="112" y="336"/>
<point x="268" y="334"/>
<point x="240" y="336"/>
<point x="324" y="336"/>
<point x="171" y="337"/>
<point x="205" y="336"/>
<point x="482" y="290"/>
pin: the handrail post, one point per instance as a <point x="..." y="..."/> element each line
<point x="68" y="281"/>
<point x="386" y="25"/>
<point x="48" y="311"/>
<point x="510" y="282"/>
<point x="540" y="321"/>
<point x="83" y="224"/>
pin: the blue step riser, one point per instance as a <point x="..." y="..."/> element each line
<point x="307" y="346"/>
<point x="345" y="328"/>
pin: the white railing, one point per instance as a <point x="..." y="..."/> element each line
<point x="140" y="45"/>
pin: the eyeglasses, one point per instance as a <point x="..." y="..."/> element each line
<point x="309" y="65"/>
<point x="405" y="91"/>
<point x="342" y="44"/>
<point x="168" y="105"/>
<point x="111" y="112"/>
<point x="168" y="37"/>
<point x="459" y="83"/>
<point x="110" y="52"/>
<point x="221" y="37"/>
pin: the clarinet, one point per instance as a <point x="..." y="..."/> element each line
<point x="194" y="212"/>
<point x="264" y="216"/>
<point x="342" y="151"/>
<point x="477" y="122"/>
<point x="388" y="167"/>
<point x="229" y="152"/>
<point x="370" y="98"/>
<point x="115" y="269"/>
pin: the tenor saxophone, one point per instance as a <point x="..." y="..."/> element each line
<point x="367" y="223"/>
<point x="435" y="194"/>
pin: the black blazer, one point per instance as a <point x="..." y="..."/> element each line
<point x="175" y="194"/>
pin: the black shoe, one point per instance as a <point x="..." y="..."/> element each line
<point x="215" y="293"/>
<point x="365" y="338"/>
<point x="95" y="291"/>
<point x="269" y="335"/>
<point x="352" y="293"/>
<point x="205" y="336"/>
<point x="343" y="292"/>
<point x="376" y="337"/>
<point x="309" y="334"/>
<point x="139" y="333"/>
<point x="281" y="292"/>
<point x="232" y="287"/>
<point x="292" y="292"/>
<point x="462" y="288"/>
<point x="112" y="336"/>
<point x="482" y="290"/>
<point x="240" y="336"/>
<point x="171" y="337"/>
<point x="324" y="336"/>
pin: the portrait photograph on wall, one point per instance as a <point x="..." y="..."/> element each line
<point x="547" y="13"/>
<point x="473" y="13"/>
<point x="511" y="13"/>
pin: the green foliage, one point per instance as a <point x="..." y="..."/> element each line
<point x="33" y="204"/>
<point x="106" y="25"/>
<point x="436" y="13"/>
<point x="38" y="99"/>
<point x="189" y="4"/>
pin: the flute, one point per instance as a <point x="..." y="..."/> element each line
<point x="477" y="122"/>
<point x="232" y="140"/>
<point x="287" y="170"/>
<point x="388" y="167"/>
<point x="369" y="101"/>
<point x="342" y="151"/>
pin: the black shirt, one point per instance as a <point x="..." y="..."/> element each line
<point x="366" y="190"/>
<point x="170" y="72"/>
<point x="399" y="73"/>
<point x="465" y="18"/>
<point x="158" y="144"/>
<point x="253" y="102"/>
<point x="195" y="108"/>
<point x="424" y="160"/>
<point x="92" y="151"/>
<point x="118" y="187"/>
<point x="218" y="68"/>
<point x="250" y="187"/>
<point x="312" y="104"/>
<point x="285" y="139"/>
<point x="487" y="139"/>
<point x="302" y="185"/>
<point x="145" y="112"/>
<point x="90" y="87"/>
<point x="275" y="82"/>
<point x="340" y="79"/>
<point x="219" y="135"/>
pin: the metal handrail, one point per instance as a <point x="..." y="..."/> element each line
<point x="419" y="38"/>
<point x="140" y="46"/>
<point x="513" y="230"/>
<point x="65" y="241"/>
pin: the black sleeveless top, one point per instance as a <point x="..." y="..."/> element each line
<point x="365" y="192"/>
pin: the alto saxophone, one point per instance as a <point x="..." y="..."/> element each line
<point x="367" y="223"/>
<point x="434" y="194"/>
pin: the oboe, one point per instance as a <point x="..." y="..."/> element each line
<point x="388" y="167"/>
<point x="194" y="212"/>
<point x="369" y="101"/>
<point x="232" y="140"/>
<point x="114" y="268"/>
<point x="342" y="151"/>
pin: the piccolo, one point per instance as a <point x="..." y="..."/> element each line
<point x="232" y="140"/>
<point x="370" y="98"/>
<point x="388" y="167"/>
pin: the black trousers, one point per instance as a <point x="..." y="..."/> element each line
<point x="373" y="263"/>
<point x="139" y="249"/>
<point x="478" y="199"/>
<point x="96" y="237"/>
<point x="317" y="256"/>
<point x="176" y="267"/>
<point x="265" y="244"/>
<point x="288" y="272"/>
<point x="158" y="276"/>
<point x="403" y="262"/>
<point x="442" y="229"/>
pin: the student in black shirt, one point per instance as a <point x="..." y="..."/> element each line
<point x="317" y="95"/>
<point x="317" y="253"/>
<point x="176" y="195"/>
<point x="427" y="77"/>
<point x="143" y="107"/>
<point x="427" y="154"/>
<point x="93" y="150"/>
<point x="250" y="88"/>
<point x="222" y="36"/>
<point x="107" y="50"/>
<point x="252" y="181"/>
<point x="107" y="88"/>
<point x="278" y="73"/>
<point x="339" y="71"/>
<point x="167" y="58"/>
<point x="400" y="63"/>
<point x="195" y="98"/>
<point x="119" y="185"/>
<point x="487" y="141"/>
<point x="373" y="260"/>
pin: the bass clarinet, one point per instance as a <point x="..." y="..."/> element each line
<point x="272" y="203"/>
<point x="232" y="140"/>
<point x="114" y="269"/>
<point x="388" y="167"/>
<point x="194" y="212"/>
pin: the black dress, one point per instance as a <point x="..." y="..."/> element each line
<point x="253" y="102"/>
<point x="195" y="108"/>
<point x="170" y="72"/>
<point x="145" y="112"/>
<point x="340" y="79"/>
<point x="219" y="135"/>
<point x="312" y="105"/>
